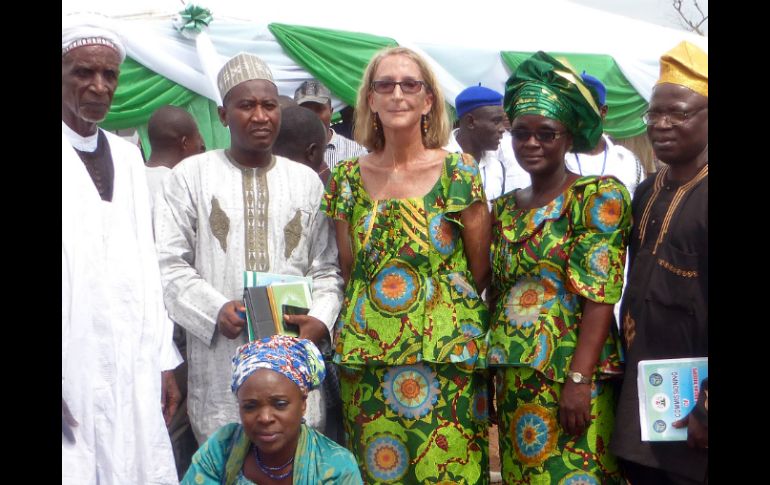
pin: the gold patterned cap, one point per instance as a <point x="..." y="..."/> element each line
<point x="241" y="68"/>
<point x="686" y="65"/>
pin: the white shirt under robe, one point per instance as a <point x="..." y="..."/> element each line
<point x="215" y="219"/>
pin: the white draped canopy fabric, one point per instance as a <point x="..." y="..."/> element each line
<point x="462" y="40"/>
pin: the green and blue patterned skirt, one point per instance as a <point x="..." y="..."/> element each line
<point x="534" y="449"/>
<point x="415" y="424"/>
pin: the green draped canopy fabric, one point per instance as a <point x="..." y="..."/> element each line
<point x="336" y="58"/>
<point x="141" y="91"/>
<point x="626" y="106"/>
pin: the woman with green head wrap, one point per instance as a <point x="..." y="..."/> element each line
<point x="557" y="254"/>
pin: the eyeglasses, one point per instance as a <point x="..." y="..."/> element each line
<point x="541" y="136"/>
<point x="674" y="118"/>
<point x="409" y="86"/>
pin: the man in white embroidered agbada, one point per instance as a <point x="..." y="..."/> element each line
<point x="116" y="335"/>
<point x="243" y="208"/>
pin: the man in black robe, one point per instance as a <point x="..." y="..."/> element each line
<point x="665" y="307"/>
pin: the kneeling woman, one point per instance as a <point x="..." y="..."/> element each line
<point x="271" y="379"/>
<point x="557" y="255"/>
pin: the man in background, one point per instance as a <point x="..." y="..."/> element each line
<point x="303" y="139"/>
<point x="174" y="136"/>
<point x="480" y="112"/>
<point x="606" y="158"/>
<point x="316" y="97"/>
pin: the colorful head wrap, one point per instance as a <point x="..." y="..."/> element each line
<point x="298" y="359"/>
<point x="686" y="65"/>
<point x="83" y="29"/>
<point x="544" y="86"/>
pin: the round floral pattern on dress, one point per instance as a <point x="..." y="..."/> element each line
<point x="553" y="287"/>
<point x="550" y="211"/>
<point x="471" y="330"/>
<point x="387" y="458"/>
<point x="534" y="434"/>
<point x="443" y="234"/>
<point x="466" y="167"/>
<point x="432" y="293"/>
<point x="525" y="299"/>
<point x="411" y="391"/>
<point x="579" y="478"/>
<point x="496" y="355"/>
<point x="395" y="288"/>
<point x="543" y="349"/>
<point x="605" y="210"/>
<point x="359" y="316"/>
<point x="598" y="257"/>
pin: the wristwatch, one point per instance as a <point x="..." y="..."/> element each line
<point x="578" y="378"/>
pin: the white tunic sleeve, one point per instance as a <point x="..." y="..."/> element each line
<point x="324" y="268"/>
<point x="190" y="300"/>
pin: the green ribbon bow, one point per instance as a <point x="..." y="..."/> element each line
<point x="192" y="21"/>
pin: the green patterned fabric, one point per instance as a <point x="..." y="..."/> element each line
<point x="141" y="91"/>
<point x="422" y="423"/>
<point x="546" y="262"/>
<point x="544" y="86"/>
<point x="411" y="296"/>
<point x="336" y="58"/>
<point x="411" y="331"/>
<point x="626" y="105"/>
<point x="534" y="449"/>
<point x="318" y="460"/>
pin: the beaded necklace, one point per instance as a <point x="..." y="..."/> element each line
<point x="267" y="470"/>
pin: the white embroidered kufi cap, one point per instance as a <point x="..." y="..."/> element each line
<point x="241" y="68"/>
<point x="84" y="29"/>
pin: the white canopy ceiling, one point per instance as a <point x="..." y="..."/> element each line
<point x="462" y="40"/>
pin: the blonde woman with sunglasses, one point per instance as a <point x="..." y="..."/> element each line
<point x="413" y="235"/>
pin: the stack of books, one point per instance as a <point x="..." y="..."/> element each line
<point x="268" y="297"/>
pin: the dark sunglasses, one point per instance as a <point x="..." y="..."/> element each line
<point x="541" y="136"/>
<point x="407" y="87"/>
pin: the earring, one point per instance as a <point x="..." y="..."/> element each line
<point x="376" y="123"/>
<point x="424" y="124"/>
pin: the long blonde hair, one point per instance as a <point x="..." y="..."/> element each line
<point x="438" y="122"/>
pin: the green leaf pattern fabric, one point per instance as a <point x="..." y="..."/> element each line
<point x="546" y="262"/>
<point x="411" y="296"/>
<point x="411" y="331"/>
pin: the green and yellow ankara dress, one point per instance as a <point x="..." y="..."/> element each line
<point x="411" y="332"/>
<point x="546" y="263"/>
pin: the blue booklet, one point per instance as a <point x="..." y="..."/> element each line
<point x="668" y="391"/>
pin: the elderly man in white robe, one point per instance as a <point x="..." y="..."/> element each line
<point x="243" y="208"/>
<point x="116" y="335"/>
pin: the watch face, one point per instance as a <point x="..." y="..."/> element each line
<point x="576" y="378"/>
